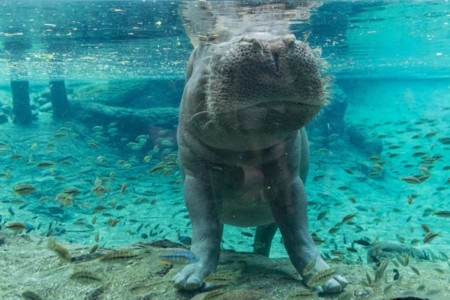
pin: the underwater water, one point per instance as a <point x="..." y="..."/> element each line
<point x="104" y="171"/>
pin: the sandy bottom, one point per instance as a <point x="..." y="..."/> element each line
<point x="30" y="270"/>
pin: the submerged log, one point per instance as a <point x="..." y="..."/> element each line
<point x="131" y="118"/>
<point x="58" y="96"/>
<point x="21" y="101"/>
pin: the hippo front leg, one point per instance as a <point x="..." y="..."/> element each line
<point x="206" y="233"/>
<point x="287" y="197"/>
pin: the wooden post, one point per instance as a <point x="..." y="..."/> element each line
<point x="21" y="101"/>
<point x="58" y="96"/>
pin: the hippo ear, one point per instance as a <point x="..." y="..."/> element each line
<point x="219" y="21"/>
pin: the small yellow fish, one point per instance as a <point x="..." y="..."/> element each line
<point x="377" y="167"/>
<point x="348" y="218"/>
<point x="157" y="168"/>
<point x="429" y="237"/>
<point x="320" y="277"/>
<point x="442" y="213"/>
<point x="444" y="140"/>
<point x="24" y="189"/>
<point x="309" y="267"/>
<point x="123" y="188"/>
<point x="415" y="179"/>
<point x="46" y="164"/>
<point x="17" y="227"/>
<point x="426" y="228"/>
<point x="113" y="222"/>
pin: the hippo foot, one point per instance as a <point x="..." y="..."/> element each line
<point x="335" y="284"/>
<point x="191" y="277"/>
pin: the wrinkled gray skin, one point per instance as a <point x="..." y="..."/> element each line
<point x="243" y="148"/>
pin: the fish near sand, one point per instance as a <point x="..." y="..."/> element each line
<point x="173" y="256"/>
<point x="243" y="148"/>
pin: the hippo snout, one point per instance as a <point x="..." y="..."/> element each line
<point x="260" y="68"/>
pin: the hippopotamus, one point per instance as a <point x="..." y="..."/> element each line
<point x="243" y="148"/>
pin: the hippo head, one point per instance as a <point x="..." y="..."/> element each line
<point x="263" y="83"/>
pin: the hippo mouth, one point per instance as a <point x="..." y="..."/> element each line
<point x="268" y="117"/>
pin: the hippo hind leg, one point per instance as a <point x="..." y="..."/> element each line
<point x="263" y="239"/>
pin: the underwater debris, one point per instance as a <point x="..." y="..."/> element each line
<point x="118" y="256"/>
<point x="62" y="252"/>
<point x="320" y="277"/>
<point x="24" y="189"/>
<point x="85" y="277"/>
<point x="177" y="256"/>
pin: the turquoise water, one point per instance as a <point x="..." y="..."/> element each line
<point x="388" y="61"/>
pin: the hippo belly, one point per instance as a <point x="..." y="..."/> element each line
<point x="247" y="206"/>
